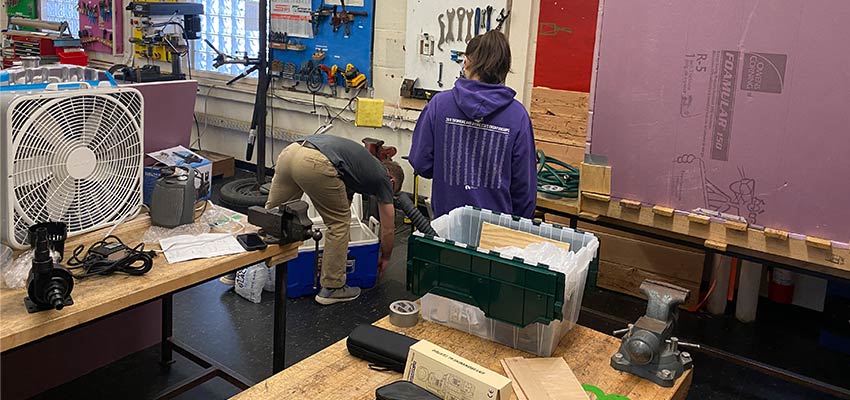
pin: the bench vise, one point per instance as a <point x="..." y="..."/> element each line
<point x="286" y="224"/>
<point x="649" y="349"/>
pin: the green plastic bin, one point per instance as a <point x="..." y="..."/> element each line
<point x="509" y="290"/>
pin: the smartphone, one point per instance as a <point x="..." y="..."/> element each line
<point x="251" y="242"/>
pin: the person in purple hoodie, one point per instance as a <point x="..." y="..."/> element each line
<point x="475" y="141"/>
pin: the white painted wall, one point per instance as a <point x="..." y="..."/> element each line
<point x="231" y="107"/>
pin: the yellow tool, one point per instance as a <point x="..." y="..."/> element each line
<point x="353" y="77"/>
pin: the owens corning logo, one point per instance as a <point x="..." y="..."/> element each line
<point x="764" y="72"/>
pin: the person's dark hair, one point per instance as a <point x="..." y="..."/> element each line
<point x="489" y="57"/>
<point x="396" y="172"/>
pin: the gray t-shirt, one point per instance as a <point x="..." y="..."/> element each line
<point x="360" y="171"/>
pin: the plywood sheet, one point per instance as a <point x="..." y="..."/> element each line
<point x="544" y="378"/>
<point x="739" y="106"/>
<point x="627" y="279"/>
<point x="493" y="236"/>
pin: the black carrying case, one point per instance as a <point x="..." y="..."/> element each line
<point x="384" y="349"/>
<point x="403" y="390"/>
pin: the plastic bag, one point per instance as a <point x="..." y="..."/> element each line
<point x="555" y="257"/>
<point x="155" y="233"/>
<point x="222" y="220"/>
<point x="15" y="273"/>
<point x="250" y="282"/>
<point x="269" y="286"/>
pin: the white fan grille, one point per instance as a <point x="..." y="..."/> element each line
<point x="76" y="159"/>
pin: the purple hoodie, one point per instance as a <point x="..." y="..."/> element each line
<point x="477" y="145"/>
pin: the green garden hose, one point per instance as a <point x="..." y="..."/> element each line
<point x="555" y="177"/>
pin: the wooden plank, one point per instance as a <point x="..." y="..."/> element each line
<point x="631" y="204"/>
<point x="699" y="218"/>
<point x="333" y="374"/>
<point x="833" y="261"/>
<point x="736" y="225"/>
<point x="99" y="296"/>
<point x="553" y="130"/>
<point x="569" y="154"/>
<point x="595" y="179"/>
<point x="520" y="395"/>
<point x="656" y="258"/>
<point x="776" y="234"/>
<point x="544" y="98"/>
<point x="222" y="165"/>
<point x="493" y="236"/>
<point x="563" y="204"/>
<point x="818" y="242"/>
<point x="663" y="211"/>
<point x="595" y="196"/>
<point x="545" y="378"/>
<point x="713" y="244"/>
<point x="627" y="280"/>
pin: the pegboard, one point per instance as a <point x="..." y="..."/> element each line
<point x="100" y="30"/>
<point x="340" y="49"/>
<point x="423" y="18"/>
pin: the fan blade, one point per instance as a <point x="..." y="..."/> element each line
<point x="51" y="131"/>
<point x="29" y="171"/>
<point x="60" y="194"/>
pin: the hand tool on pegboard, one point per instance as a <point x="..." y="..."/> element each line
<point x="469" y="16"/>
<point x="503" y="16"/>
<point x="330" y="73"/>
<point x="489" y="17"/>
<point x="442" y="32"/>
<point x="450" y="14"/>
<point x="477" y="21"/>
<point x="461" y="19"/>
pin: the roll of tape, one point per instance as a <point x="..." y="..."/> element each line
<point x="404" y="314"/>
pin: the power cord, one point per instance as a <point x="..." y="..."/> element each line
<point x="561" y="182"/>
<point x="109" y="256"/>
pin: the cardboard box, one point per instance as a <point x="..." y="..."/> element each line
<point x="451" y="376"/>
<point x="178" y="156"/>
<point x="738" y="106"/>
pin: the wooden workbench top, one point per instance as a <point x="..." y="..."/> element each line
<point x="333" y="374"/>
<point x="99" y="296"/>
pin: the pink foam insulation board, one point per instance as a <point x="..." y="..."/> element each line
<point x="738" y="106"/>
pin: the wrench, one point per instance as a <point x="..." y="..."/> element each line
<point x="442" y="32"/>
<point x="469" y="14"/>
<point x="450" y="37"/>
<point x="461" y="16"/>
<point x="440" y="78"/>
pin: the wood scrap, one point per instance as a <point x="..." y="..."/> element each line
<point x="544" y="378"/>
<point x="494" y="236"/>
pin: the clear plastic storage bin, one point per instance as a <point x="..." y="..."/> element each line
<point x="462" y="228"/>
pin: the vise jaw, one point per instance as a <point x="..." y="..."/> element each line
<point x="649" y="349"/>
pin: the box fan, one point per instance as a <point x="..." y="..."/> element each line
<point x="73" y="156"/>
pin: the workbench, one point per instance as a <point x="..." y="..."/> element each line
<point x="333" y="374"/>
<point x="99" y="297"/>
<point x="827" y="259"/>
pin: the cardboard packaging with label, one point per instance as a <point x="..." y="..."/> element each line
<point x="451" y="376"/>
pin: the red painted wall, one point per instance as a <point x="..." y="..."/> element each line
<point x="565" y="40"/>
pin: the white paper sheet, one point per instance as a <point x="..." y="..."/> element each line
<point x="209" y="245"/>
<point x="292" y="17"/>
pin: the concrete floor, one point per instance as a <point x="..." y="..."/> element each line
<point x="237" y="333"/>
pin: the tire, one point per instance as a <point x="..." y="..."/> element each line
<point x="242" y="193"/>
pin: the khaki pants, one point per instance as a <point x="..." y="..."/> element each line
<point x="301" y="170"/>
